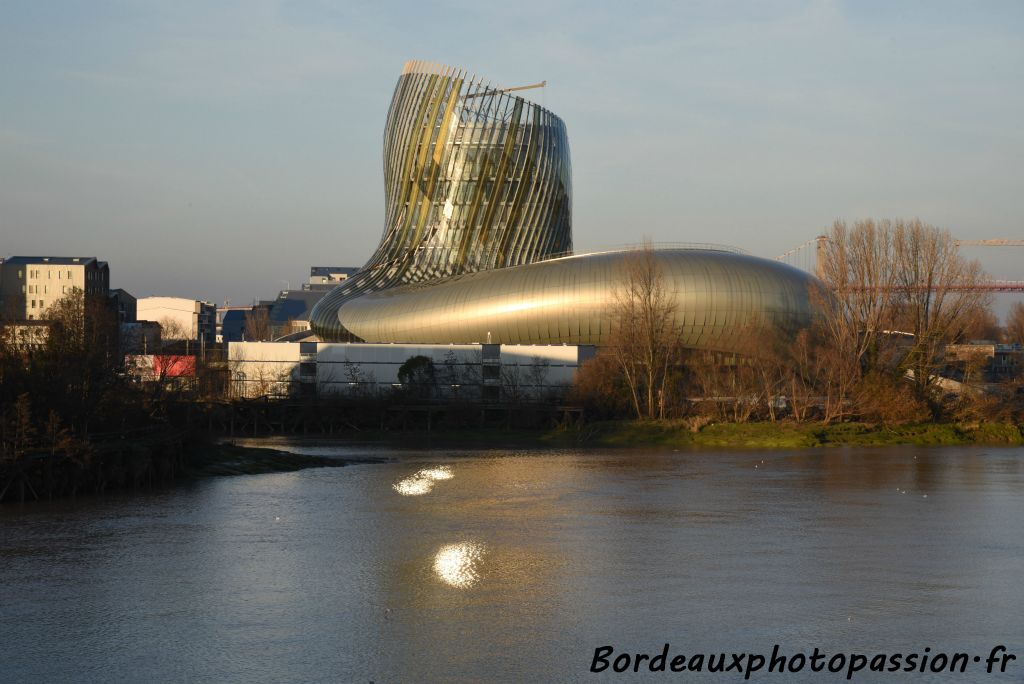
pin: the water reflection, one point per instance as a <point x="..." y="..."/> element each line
<point x="438" y="473"/>
<point x="517" y="569"/>
<point x="422" y="481"/>
<point x="456" y="564"/>
<point x="413" y="486"/>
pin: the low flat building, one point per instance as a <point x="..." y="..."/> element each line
<point x="176" y="368"/>
<point x="993" y="361"/>
<point x="181" y="319"/>
<point x="330" y="276"/>
<point x="484" y="372"/>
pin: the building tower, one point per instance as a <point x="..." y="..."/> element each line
<point x="476" y="179"/>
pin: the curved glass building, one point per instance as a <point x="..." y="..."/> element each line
<point x="477" y="245"/>
<point x="474" y="179"/>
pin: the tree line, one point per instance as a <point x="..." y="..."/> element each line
<point x="891" y="299"/>
<point x="63" y="387"/>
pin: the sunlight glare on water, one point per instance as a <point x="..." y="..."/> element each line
<point x="413" y="486"/>
<point x="456" y="564"/>
<point x="438" y="473"/>
<point x="422" y="482"/>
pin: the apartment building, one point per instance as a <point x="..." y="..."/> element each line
<point x="30" y="285"/>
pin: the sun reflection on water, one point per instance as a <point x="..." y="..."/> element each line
<point x="422" y="481"/>
<point x="456" y="564"/>
<point x="413" y="486"/>
<point x="437" y="473"/>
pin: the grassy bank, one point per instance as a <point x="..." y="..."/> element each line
<point x="784" y="435"/>
<point x="632" y="433"/>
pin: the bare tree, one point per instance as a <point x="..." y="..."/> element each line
<point x="257" y="325"/>
<point x="360" y="383"/>
<point x="856" y="299"/>
<point x="255" y="376"/>
<point x="537" y="378"/>
<point x="938" y="295"/>
<point x="730" y="386"/>
<point x="771" y="360"/>
<point x="1015" y="323"/>
<point x="600" y="388"/>
<point x="798" y="381"/>
<point x="858" y="289"/>
<point x="893" y="294"/>
<point x="171" y="365"/>
<point x="983" y="324"/>
<point x="645" y="339"/>
<point x="451" y="374"/>
<point x="173" y="330"/>
<point x="511" y="382"/>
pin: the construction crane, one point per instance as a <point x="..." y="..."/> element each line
<point x="989" y="243"/>
<point x="542" y="84"/>
<point x="821" y="239"/>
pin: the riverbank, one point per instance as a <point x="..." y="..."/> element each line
<point x="785" y="435"/>
<point x="232" y="459"/>
<point x="145" y="463"/>
<point x="680" y="434"/>
<point x="139" y="464"/>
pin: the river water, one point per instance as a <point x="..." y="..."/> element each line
<point x="504" y="565"/>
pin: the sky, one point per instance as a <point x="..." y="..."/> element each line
<point x="217" y="150"/>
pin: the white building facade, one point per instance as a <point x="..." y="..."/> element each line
<point x="485" y="372"/>
<point x="184" y="319"/>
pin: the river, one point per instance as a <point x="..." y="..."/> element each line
<point x="515" y="565"/>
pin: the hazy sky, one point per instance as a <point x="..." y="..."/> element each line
<point x="216" y="149"/>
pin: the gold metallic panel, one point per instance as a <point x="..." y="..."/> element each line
<point x="477" y="238"/>
<point x="717" y="295"/>
<point x="453" y="146"/>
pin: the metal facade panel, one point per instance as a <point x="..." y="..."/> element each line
<point x="716" y="295"/>
<point x="465" y="167"/>
<point x="478" y="207"/>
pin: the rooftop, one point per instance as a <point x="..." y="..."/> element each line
<point x="59" y="261"/>
<point x="329" y="270"/>
<point x="294" y="305"/>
